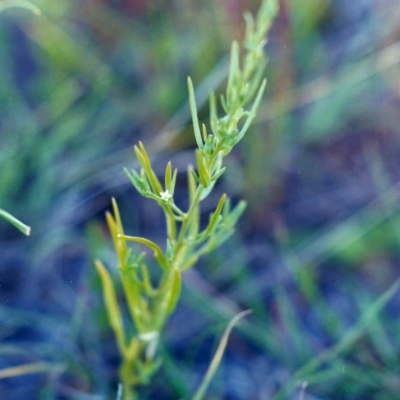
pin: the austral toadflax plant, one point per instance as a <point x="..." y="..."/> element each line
<point x="150" y="304"/>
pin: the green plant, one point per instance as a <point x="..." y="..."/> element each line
<point x="19" y="3"/>
<point x="4" y="4"/>
<point x="150" y="304"/>
<point x="29" y="6"/>
<point x="16" y="222"/>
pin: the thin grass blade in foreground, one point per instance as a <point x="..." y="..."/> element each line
<point x="212" y="369"/>
<point x="30" y="368"/>
<point x="25" y="229"/>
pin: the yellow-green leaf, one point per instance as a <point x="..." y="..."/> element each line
<point x="112" y="307"/>
<point x="158" y="254"/>
<point x="175" y="291"/>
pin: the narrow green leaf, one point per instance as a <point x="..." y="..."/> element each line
<point x="144" y="160"/>
<point x="215" y="216"/>
<point x="253" y="111"/>
<point x="190" y="262"/>
<point x="141" y="157"/>
<point x="207" y="190"/>
<point x="112" y="227"/>
<point x="193" y="111"/>
<point x="235" y="214"/>
<point x="168" y="177"/>
<point x="175" y="291"/>
<point x="117" y="216"/>
<point x="25" y="229"/>
<point x="158" y="254"/>
<point x="31" y="368"/>
<point x="257" y="78"/>
<point x="224" y="103"/>
<point x="170" y="253"/>
<point x="213" y="115"/>
<point x="234" y="74"/>
<point x="209" y="146"/>
<point x="202" y="169"/>
<point x="218" y="174"/>
<point x="265" y="17"/>
<point x="173" y="182"/>
<point x="140" y="184"/>
<point x="112" y="307"/>
<point x="146" y="370"/>
<point x="196" y="179"/>
<point x="249" y="35"/>
<point x="116" y="228"/>
<point x="148" y="287"/>
<point x="192" y="187"/>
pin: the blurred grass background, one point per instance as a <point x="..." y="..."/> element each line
<point x="316" y="256"/>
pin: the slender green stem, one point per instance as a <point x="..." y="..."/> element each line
<point x="180" y="214"/>
<point x="171" y="223"/>
<point x="25" y="229"/>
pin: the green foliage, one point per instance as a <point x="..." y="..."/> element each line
<point x="16" y="222"/>
<point x="151" y="304"/>
<point x="4" y="4"/>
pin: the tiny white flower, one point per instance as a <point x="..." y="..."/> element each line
<point x="165" y="195"/>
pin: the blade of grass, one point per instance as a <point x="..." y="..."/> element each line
<point x="25" y="229"/>
<point x="30" y="368"/>
<point x="199" y="395"/>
